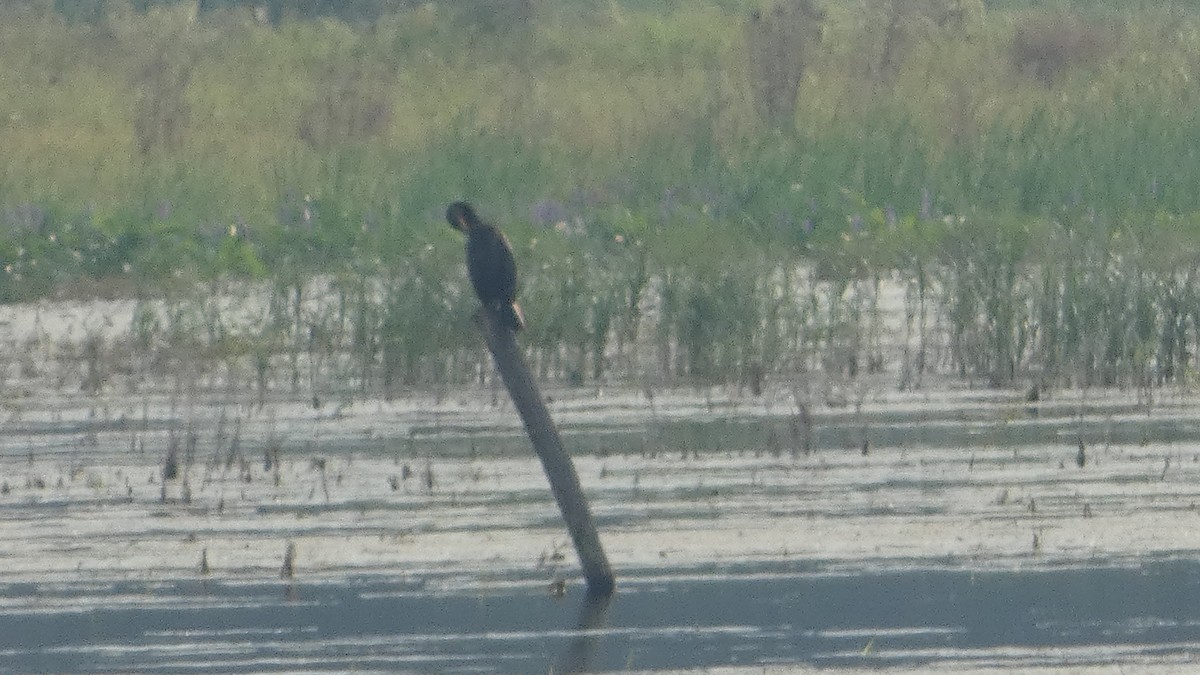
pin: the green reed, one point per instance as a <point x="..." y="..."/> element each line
<point x="1027" y="181"/>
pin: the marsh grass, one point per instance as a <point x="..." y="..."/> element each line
<point x="687" y="206"/>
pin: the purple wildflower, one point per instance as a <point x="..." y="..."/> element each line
<point x="668" y="203"/>
<point x="26" y="216"/>
<point x="548" y="213"/>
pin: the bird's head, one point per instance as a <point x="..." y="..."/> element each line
<point x="461" y="216"/>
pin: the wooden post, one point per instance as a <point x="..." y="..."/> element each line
<point x="564" y="482"/>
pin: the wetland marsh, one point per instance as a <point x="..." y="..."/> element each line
<point x="947" y="530"/>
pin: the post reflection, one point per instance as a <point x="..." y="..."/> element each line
<point x="579" y="653"/>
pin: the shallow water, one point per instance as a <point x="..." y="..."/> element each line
<point x="758" y="615"/>
<point x="426" y="539"/>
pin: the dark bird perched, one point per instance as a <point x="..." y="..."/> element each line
<point x="489" y="264"/>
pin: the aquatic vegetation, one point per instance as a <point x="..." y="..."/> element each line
<point x="1004" y="193"/>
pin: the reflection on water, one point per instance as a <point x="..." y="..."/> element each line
<point x="580" y="653"/>
<point x="745" y="616"/>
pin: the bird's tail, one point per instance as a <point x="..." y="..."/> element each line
<point x="510" y="315"/>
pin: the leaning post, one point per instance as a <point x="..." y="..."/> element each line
<point x="564" y="481"/>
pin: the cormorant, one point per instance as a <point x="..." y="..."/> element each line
<point x="489" y="264"/>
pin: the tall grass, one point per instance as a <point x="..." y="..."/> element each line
<point x="1032" y="191"/>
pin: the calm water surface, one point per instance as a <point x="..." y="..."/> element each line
<point x="966" y="537"/>
<point x="741" y="617"/>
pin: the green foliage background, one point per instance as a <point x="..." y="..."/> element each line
<point x="1023" y="159"/>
